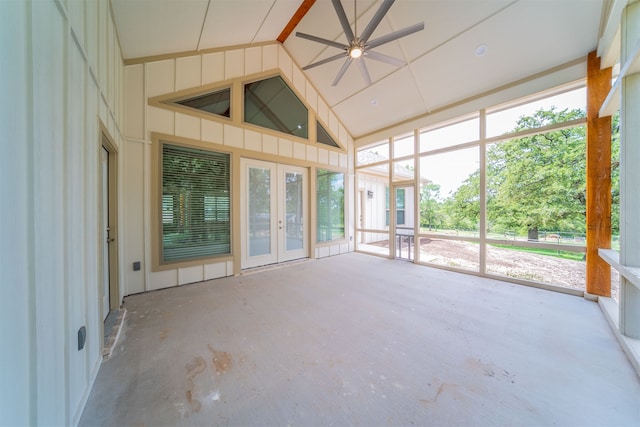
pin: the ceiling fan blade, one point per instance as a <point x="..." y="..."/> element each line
<point x="364" y="71"/>
<point x="375" y="21"/>
<point x="342" y="71"/>
<point x="324" y="61"/>
<point x="321" y="40"/>
<point x="344" y="21"/>
<point x="395" y="35"/>
<point x="384" y="58"/>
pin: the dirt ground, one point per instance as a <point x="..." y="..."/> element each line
<point x="511" y="263"/>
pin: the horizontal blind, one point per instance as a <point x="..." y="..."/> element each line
<point x="196" y="203"/>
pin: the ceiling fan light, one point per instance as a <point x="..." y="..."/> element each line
<point x="355" y="52"/>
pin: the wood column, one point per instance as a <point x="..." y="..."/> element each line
<point x="598" y="178"/>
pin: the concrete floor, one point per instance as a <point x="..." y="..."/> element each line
<point x="360" y="340"/>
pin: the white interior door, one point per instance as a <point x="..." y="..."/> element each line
<point x="274" y="213"/>
<point x="104" y="225"/>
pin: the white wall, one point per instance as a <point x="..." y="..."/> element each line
<point x="164" y="77"/>
<point x="61" y="74"/>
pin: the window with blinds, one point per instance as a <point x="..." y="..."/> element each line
<point x="196" y="203"/>
<point x="330" y="203"/>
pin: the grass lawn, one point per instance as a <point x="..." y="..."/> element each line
<point x="574" y="256"/>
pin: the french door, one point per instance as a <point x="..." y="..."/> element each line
<point x="274" y="212"/>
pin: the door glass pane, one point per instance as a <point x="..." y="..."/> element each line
<point x="293" y="208"/>
<point x="259" y="211"/>
<point x="405" y="223"/>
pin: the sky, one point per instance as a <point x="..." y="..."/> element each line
<point x="449" y="170"/>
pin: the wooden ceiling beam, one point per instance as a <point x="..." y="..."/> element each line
<point x="295" y="20"/>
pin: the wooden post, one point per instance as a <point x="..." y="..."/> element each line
<point x="598" y="178"/>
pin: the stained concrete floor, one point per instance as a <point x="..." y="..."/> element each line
<point x="360" y="340"/>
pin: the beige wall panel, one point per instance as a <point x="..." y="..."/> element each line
<point x="110" y="88"/>
<point x="343" y="136"/>
<point x="188" y="72"/>
<point x="252" y="140"/>
<point x="212" y="131"/>
<point x="285" y="147"/>
<point x="299" y="81"/>
<point x="252" y="60"/>
<point x="103" y="20"/>
<point x="92" y="33"/>
<point x="133" y="216"/>
<point x="312" y="153"/>
<point x="285" y="63"/>
<point x="103" y="111"/>
<point x="190" y="275"/>
<point x="229" y="268"/>
<point x="233" y="63"/>
<point x="334" y="158"/>
<point x="187" y="126"/>
<point x="323" y="252"/>
<point x="233" y="136"/>
<point x="334" y="124"/>
<point x="134" y="101"/>
<point x="323" y="156"/>
<point x="47" y="158"/>
<point x="160" y="77"/>
<point x="162" y="279"/>
<point x="91" y="233"/>
<point x="111" y="126"/>
<point x="334" y="250"/>
<point x="323" y="111"/>
<point x="344" y="248"/>
<point x="212" y="67"/>
<point x="76" y="11"/>
<point x="215" y="271"/>
<point x="269" y="144"/>
<point x="269" y="57"/>
<point x="299" y="150"/>
<point x="160" y="120"/>
<point x="343" y="161"/>
<point x="312" y="97"/>
<point x="75" y="253"/>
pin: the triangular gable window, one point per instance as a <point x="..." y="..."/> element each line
<point x="272" y="104"/>
<point x="218" y="102"/>
<point x="324" y="137"/>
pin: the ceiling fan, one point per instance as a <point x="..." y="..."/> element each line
<point x="360" y="46"/>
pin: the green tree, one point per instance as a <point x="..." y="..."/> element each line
<point x="462" y="208"/>
<point x="430" y="206"/>
<point x="615" y="174"/>
<point x="538" y="182"/>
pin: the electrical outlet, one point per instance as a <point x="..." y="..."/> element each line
<point x="82" y="337"/>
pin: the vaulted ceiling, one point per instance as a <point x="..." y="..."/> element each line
<point x="468" y="47"/>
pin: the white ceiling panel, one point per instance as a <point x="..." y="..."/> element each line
<point x="233" y="22"/>
<point x="278" y="18"/>
<point x="382" y="104"/>
<point x="443" y="20"/>
<point x="523" y="37"/>
<point x="154" y="27"/>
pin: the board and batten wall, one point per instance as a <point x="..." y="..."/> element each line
<point x="158" y="77"/>
<point x="62" y="78"/>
